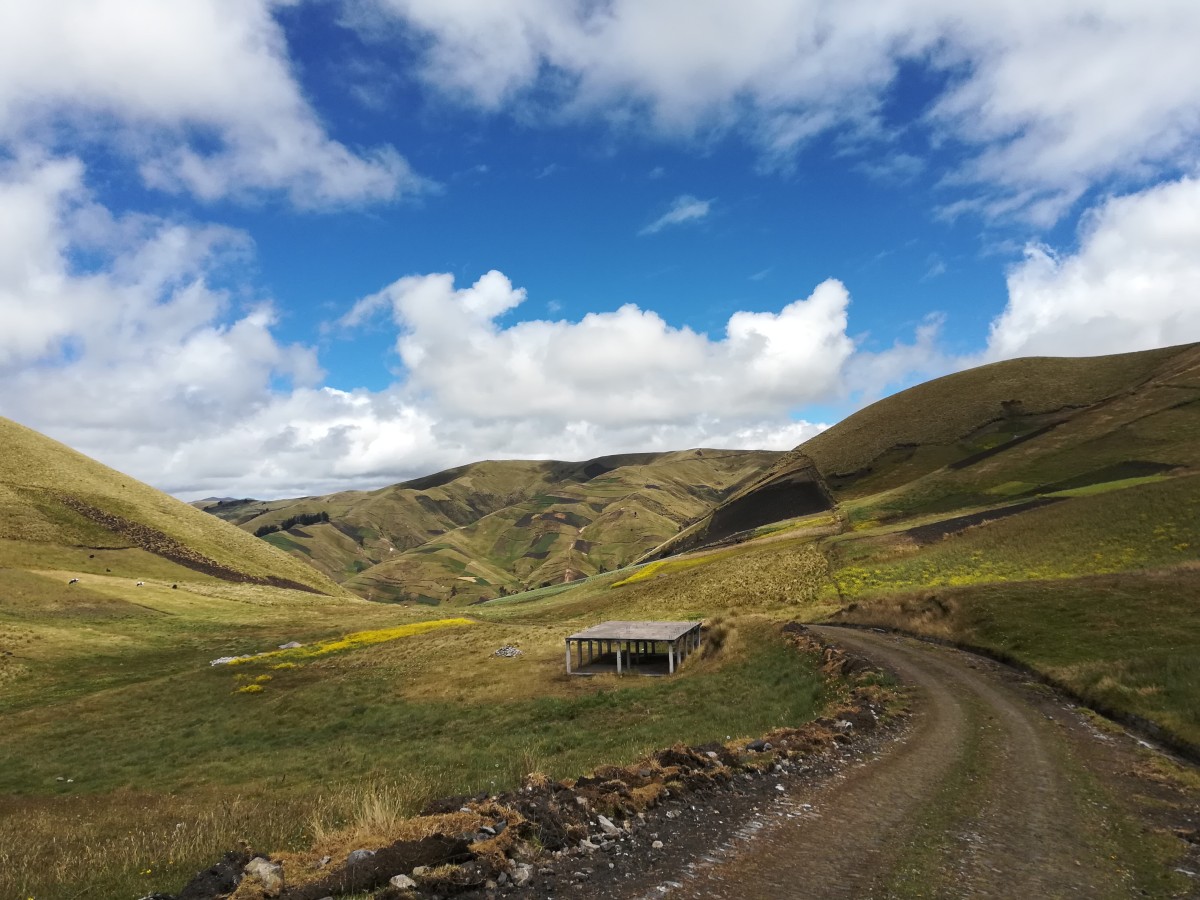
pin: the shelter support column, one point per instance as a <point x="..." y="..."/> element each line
<point x="618" y="657"/>
<point x="568" y="656"/>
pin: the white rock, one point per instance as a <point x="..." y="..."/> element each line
<point x="269" y="874"/>
<point x="607" y="826"/>
<point x="522" y="874"/>
<point x="657" y="845"/>
<point x="403" y="882"/>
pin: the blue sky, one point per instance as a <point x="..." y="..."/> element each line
<point x="270" y="248"/>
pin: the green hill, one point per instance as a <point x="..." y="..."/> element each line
<point x="55" y="503"/>
<point x="990" y="436"/>
<point x="1045" y="510"/>
<point x="488" y="528"/>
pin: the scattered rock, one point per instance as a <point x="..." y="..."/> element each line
<point x="656" y="845"/>
<point x="508" y="651"/>
<point x="290" y="645"/>
<point x="522" y="874"/>
<point x="759" y="746"/>
<point x="607" y="826"/>
<point x="269" y="875"/>
<point x="403" y="882"/>
<point x="324" y="861"/>
<point x="355" y="856"/>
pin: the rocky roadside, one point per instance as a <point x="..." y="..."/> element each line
<point x="603" y="835"/>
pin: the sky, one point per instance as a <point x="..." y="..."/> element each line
<point x="283" y="247"/>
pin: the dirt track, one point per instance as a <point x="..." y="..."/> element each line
<point x="997" y="789"/>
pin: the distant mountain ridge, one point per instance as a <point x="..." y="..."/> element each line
<point x="479" y="530"/>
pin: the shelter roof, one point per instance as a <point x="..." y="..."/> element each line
<point x="635" y="631"/>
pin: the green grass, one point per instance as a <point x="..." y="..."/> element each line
<point x="39" y="478"/>
<point x="1124" y="643"/>
<point x="360" y="717"/>
<point x="1156" y="523"/>
<point x="1105" y="486"/>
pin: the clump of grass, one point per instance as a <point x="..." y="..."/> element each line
<point x="127" y="844"/>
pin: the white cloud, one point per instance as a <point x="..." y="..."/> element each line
<point x="1134" y="282"/>
<point x="145" y="360"/>
<point x="684" y="208"/>
<point x="199" y="93"/>
<point x="1047" y="97"/>
<point x="615" y="369"/>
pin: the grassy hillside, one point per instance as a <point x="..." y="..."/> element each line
<point x="55" y="502"/>
<point x="1047" y="510"/>
<point x="492" y="528"/>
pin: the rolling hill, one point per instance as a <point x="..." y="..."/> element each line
<point x="489" y="528"/>
<point x="1001" y="435"/>
<point x="56" y="503"/>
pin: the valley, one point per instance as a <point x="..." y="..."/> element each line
<point x="1045" y="512"/>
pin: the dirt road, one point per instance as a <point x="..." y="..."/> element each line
<point x="997" y="789"/>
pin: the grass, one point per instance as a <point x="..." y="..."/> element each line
<point x="39" y="477"/>
<point x="365" y="716"/>
<point x="1156" y="524"/>
<point x="1124" y="643"/>
<point x="518" y="524"/>
<point x="294" y="655"/>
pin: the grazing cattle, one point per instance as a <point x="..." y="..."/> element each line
<point x="73" y="581"/>
<point x="140" y="583"/>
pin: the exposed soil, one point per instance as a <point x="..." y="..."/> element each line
<point x="935" y="531"/>
<point x="998" y="788"/>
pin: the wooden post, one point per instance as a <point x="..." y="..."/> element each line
<point x="671" y="658"/>
<point x="568" y="656"/>
<point x="618" y="657"/>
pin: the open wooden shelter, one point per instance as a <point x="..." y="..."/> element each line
<point x="647" y="648"/>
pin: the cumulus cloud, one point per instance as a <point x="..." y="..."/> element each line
<point x="684" y="208"/>
<point x="199" y="93"/>
<point x="1048" y="98"/>
<point x="612" y="369"/>
<point x="1134" y="282"/>
<point x="139" y="341"/>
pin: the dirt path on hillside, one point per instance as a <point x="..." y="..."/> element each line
<point x="977" y="760"/>
<point x="996" y="789"/>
